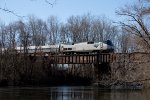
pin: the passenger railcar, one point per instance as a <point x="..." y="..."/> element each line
<point x="37" y="49"/>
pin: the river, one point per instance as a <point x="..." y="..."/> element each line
<point x="71" y="93"/>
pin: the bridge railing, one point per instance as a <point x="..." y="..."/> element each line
<point x="131" y="57"/>
<point x="82" y="59"/>
<point x="99" y="58"/>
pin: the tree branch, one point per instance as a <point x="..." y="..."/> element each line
<point x="50" y="3"/>
<point x="12" y="12"/>
<point x="134" y="30"/>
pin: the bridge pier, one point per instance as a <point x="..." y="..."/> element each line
<point x="102" y="73"/>
<point x="94" y="66"/>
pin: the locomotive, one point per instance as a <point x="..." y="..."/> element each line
<point x="88" y="47"/>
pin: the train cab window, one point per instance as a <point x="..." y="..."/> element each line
<point x="69" y="48"/>
<point x="91" y="42"/>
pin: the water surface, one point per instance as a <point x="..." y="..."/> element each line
<point x="71" y="93"/>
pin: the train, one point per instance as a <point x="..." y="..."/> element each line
<point x="74" y="48"/>
<point x="88" y="47"/>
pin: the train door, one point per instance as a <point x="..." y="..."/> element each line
<point x="101" y="45"/>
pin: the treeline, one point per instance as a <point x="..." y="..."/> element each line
<point x="76" y="29"/>
<point x="37" y="32"/>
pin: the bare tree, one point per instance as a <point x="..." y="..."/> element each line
<point x="53" y="29"/>
<point x="89" y="28"/>
<point x="73" y="25"/>
<point x="137" y="22"/>
<point x="97" y="30"/>
<point x="102" y="29"/>
<point x="64" y="34"/>
<point x="86" y="27"/>
<point x="11" y="35"/>
<point x="24" y="35"/>
<point x="2" y="36"/>
<point x="38" y="29"/>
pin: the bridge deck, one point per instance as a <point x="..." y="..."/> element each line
<point x="81" y="59"/>
<point x="99" y="58"/>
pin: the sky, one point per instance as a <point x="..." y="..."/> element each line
<point x="62" y="9"/>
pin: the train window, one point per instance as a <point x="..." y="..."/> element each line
<point x="69" y="48"/>
<point x="47" y="48"/>
<point x="65" y="48"/>
<point x="91" y="42"/>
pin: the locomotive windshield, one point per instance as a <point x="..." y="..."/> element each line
<point x="90" y="42"/>
<point x="109" y="43"/>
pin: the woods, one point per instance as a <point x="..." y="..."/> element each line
<point x="38" y="32"/>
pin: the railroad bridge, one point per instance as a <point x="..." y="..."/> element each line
<point x="81" y="59"/>
<point x="96" y="58"/>
<point x="101" y="63"/>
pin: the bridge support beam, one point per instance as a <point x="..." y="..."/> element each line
<point x="102" y="73"/>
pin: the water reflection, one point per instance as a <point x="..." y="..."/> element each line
<point x="71" y="93"/>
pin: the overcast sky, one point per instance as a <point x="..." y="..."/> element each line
<point x="63" y="9"/>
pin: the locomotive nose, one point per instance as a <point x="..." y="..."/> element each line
<point x="109" y="42"/>
<point x="110" y="45"/>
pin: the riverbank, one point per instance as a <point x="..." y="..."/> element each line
<point x="20" y="70"/>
